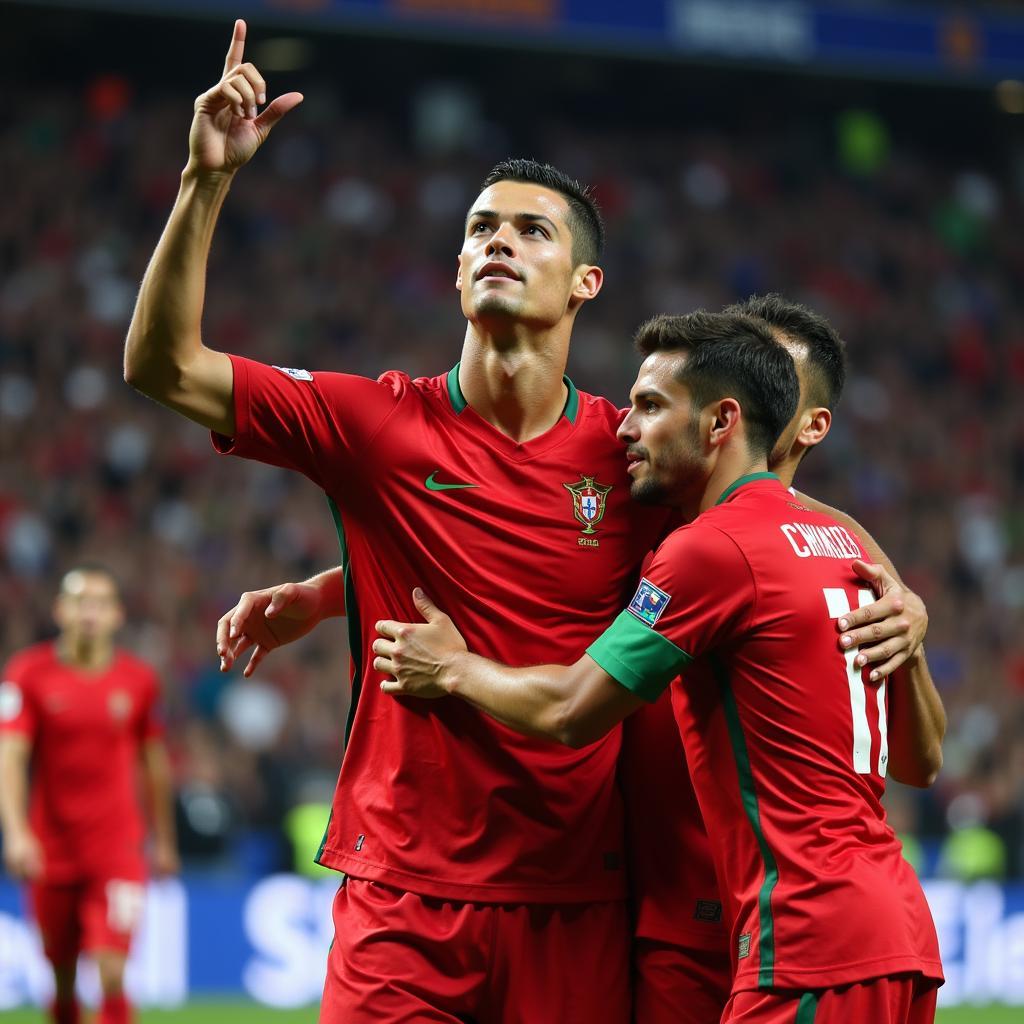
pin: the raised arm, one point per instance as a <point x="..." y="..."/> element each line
<point x="893" y="629"/>
<point x="573" y="704"/>
<point x="165" y="357"/>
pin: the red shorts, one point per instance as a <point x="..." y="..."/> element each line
<point x="408" y="959"/>
<point x="676" y="985"/>
<point x="903" y="999"/>
<point x="87" y="916"/>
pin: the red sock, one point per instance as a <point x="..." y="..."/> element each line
<point x="65" y="1012"/>
<point x="115" y="1010"/>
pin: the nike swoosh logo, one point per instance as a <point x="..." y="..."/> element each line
<point x="432" y="485"/>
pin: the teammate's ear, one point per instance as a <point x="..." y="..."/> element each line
<point x="458" y="275"/>
<point x="724" y="419"/>
<point x="815" y="427"/>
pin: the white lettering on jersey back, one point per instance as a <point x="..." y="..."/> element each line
<point x="820" y="541"/>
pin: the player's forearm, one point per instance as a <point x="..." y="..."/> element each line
<point x="331" y="585"/>
<point x="536" y="701"/>
<point x="160" y="793"/>
<point x="917" y="724"/>
<point x="13" y="787"/>
<point x="164" y="337"/>
<point x="871" y="546"/>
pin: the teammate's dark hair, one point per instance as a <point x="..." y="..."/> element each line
<point x="826" y="352"/>
<point x="731" y="355"/>
<point x="585" y="221"/>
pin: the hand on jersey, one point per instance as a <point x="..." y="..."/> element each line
<point x="265" y="619"/>
<point x="226" y="130"/>
<point x="417" y="655"/>
<point x="888" y="632"/>
<point x="23" y="856"/>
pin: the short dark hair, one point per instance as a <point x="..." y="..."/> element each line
<point x="826" y="351"/>
<point x="585" y="221"/>
<point x="729" y="354"/>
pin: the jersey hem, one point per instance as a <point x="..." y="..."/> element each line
<point x="834" y="977"/>
<point x="471" y="892"/>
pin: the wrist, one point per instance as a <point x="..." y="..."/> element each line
<point x="201" y="177"/>
<point x="453" y="672"/>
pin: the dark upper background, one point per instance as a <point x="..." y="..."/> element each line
<point x="893" y="207"/>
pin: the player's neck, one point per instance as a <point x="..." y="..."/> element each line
<point x="727" y="471"/>
<point x="85" y="655"/>
<point x="515" y="385"/>
<point x="786" y="470"/>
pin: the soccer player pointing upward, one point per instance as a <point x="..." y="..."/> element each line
<point x="784" y="738"/>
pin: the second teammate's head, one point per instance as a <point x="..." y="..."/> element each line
<point x="712" y="385"/>
<point x="532" y="242"/>
<point x="820" y="357"/>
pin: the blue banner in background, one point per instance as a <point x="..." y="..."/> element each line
<point x="875" y="39"/>
<point x="267" y="940"/>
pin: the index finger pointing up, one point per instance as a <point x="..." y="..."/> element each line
<point x="237" y="47"/>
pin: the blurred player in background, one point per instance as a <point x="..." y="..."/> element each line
<point x="84" y="714"/>
<point x="786" y="740"/>
<point x="484" y="872"/>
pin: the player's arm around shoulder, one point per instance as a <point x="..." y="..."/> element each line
<point x="889" y="634"/>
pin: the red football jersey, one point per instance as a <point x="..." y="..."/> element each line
<point x="532" y="549"/>
<point x="785" y="741"/>
<point x="672" y="877"/>
<point x="86" y="730"/>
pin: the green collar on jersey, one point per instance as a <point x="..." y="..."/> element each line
<point x="749" y="478"/>
<point x="458" y="399"/>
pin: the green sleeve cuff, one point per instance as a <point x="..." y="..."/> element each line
<point x="638" y="657"/>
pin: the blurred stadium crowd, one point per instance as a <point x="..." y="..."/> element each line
<point x="336" y="250"/>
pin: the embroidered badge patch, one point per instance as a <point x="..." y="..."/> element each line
<point x="295" y="374"/>
<point x="649" y="602"/>
<point x="588" y="502"/>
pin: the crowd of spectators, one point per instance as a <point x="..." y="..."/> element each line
<point x="336" y="250"/>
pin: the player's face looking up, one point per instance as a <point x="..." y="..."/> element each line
<point x="662" y="434"/>
<point x="516" y="263"/>
<point x="88" y="607"/>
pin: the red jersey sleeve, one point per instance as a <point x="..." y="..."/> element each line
<point x="17" y="703"/>
<point x="697" y="591"/>
<point x="315" y="423"/>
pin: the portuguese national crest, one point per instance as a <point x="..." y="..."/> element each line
<point x="588" y="502"/>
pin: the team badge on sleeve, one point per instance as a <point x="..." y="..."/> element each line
<point x="293" y="373"/>
<point x="649" y="602"/>
<point x="10" y="701"/>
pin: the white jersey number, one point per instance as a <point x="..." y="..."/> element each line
<point x="838" y="606"/>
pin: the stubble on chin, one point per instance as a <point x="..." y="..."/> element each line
<point x="647" y="492"/>
<point x="493" y="305"/>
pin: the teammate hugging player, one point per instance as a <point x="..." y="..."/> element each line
<point x="785" y="740"/>
<point x="85" y="714"/>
